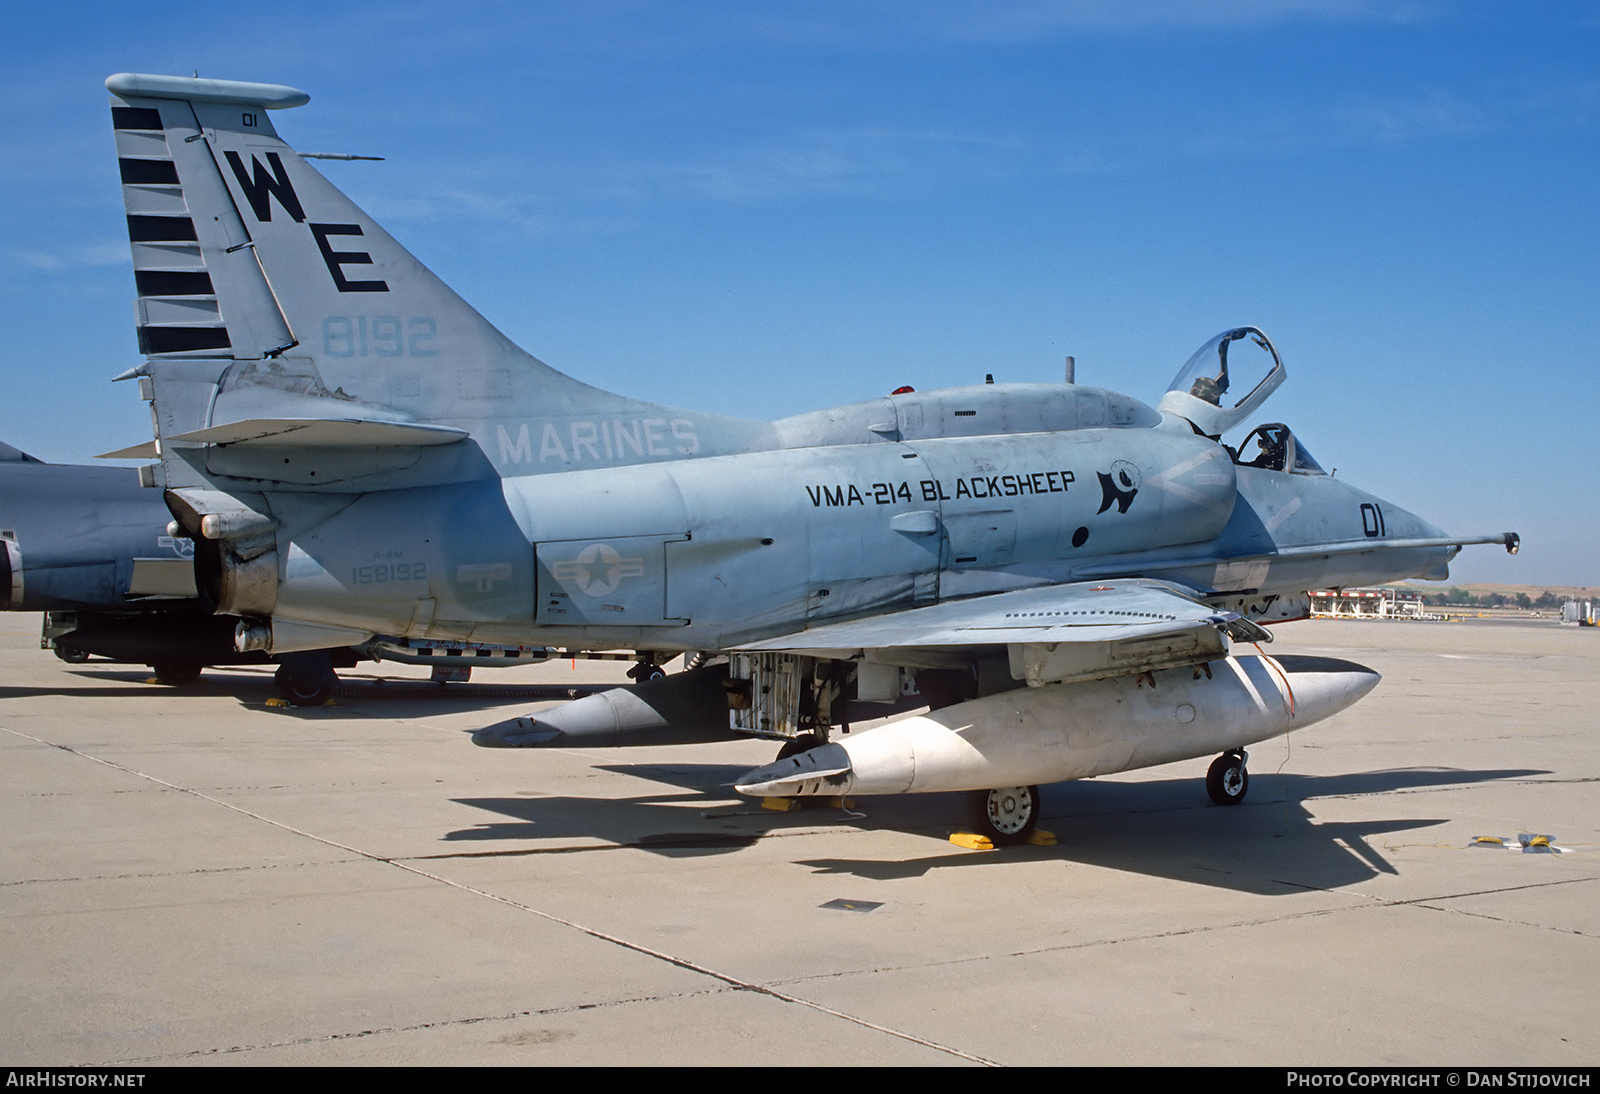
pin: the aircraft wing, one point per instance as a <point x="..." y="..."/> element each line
<point x="1054" y="633"/>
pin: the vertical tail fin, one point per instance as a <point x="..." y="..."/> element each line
<point x="241" y="249"/>
<point x="269" y="303"/>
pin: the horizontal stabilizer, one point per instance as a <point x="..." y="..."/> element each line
<point x="145" y="451"/>
<point x="322" y="433"/>
<point x="7" y="453"/>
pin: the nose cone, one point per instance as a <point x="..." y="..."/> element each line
<point x="685" y="708"/>
<point x="523" y="732"/>
<point x="1386" y="521"/>
<point x="824" y="770"/>
<point x="605" y="720"/>
<point x="1403" y="524"/>
<point x="1320" y="687"/>
<point x="595" y="721"/>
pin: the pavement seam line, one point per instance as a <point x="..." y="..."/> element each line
<point x="414" y="1027"/>
<point x="1369" y="905"/>
<point x="659" y="955"/>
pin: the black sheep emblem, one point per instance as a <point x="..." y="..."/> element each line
<point x="1119" y="487"/>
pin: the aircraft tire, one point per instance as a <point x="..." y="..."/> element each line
<point x="1006" y="815"/>
<point x="796" y="745"/>
<point x="300" y="690"/>
<point x="71" y="656"/>
<point x="177" y="673"/>
<point x="1228" y="780"/>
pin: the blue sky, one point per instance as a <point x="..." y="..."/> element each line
<point x="764" y="208"/>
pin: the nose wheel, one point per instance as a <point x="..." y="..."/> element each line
<point x="1006" y="815"/>
<point x="1228" y="779"/>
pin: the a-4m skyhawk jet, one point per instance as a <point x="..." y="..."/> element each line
<point x="1056" y="571"/>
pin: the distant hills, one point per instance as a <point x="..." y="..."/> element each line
<point x="1490" y="595"/>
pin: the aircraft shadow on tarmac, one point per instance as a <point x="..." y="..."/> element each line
<point x="706" y="817"/>
<point x="1271" y="845"/>
<point x="361" y="697"/>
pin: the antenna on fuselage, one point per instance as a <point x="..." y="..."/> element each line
<point x="1072" y="369"/>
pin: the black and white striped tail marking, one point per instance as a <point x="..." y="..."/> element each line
<point x="177" y="311"/>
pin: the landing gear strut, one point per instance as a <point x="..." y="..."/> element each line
<point x="645" y="671"/>
<point x="1228" y="779"/>
<point x="1007" y="815"/>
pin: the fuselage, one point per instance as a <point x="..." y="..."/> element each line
<point x="71" y="535"/>
<point x="845" y="518"/>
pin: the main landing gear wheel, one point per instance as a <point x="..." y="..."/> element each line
<point x="177" y="673"/>
<point x="302" y="690"/>
<point x="1228" y="779"/>
<point x="1007" y="815"/>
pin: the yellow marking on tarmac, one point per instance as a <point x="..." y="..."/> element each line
<point x="972" y="841"/>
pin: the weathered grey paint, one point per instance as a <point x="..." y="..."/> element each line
<point x="356" y="448"/>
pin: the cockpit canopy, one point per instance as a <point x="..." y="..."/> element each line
<point x="1203" y="389"/>
<point x="1274" y="448"/>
